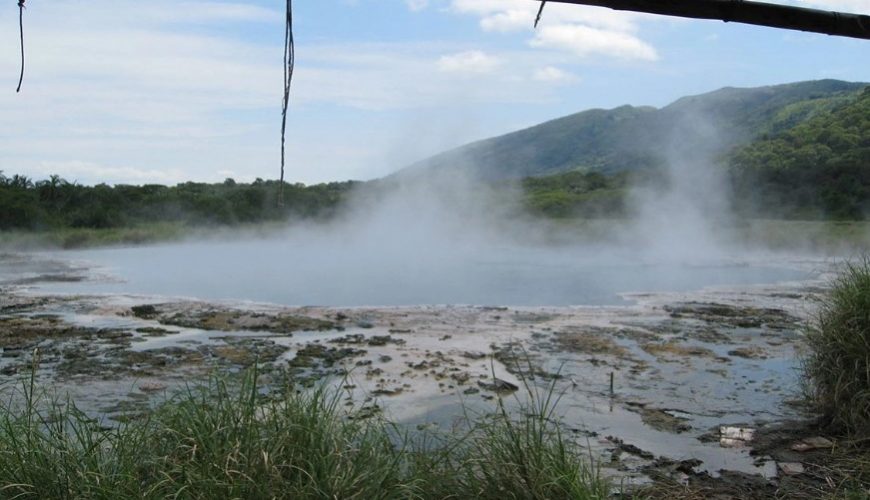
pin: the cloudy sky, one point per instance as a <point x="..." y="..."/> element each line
<point x="142" y="91"/>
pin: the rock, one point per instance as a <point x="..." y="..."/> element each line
<point x="387" y="392"/>
<point x="499" y="386"/>
<point x="630" y="448"/>
<point x="152" y="387"/>
<point x="688" y="466"/>
<point x="381" y="340"/>
<point x="791" y="468"/>
<point x="813" y="443"/>
<point x="661" y="420"/>
<point x="144" y="311"/>
<point x="473" y="355"/>
<point x="734" y="436"/>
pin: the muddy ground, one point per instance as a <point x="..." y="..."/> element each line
<point x="678" y="387"/>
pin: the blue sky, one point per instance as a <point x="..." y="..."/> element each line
<point x="136" y="91"/>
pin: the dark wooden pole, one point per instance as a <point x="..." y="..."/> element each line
<point x="748" y="12"/>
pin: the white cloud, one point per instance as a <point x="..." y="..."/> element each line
<point x="129" y="91"/>
<point x="417" y="5"/>
<point x="582" y="30"/>
<point x="554" y="75"/>
<point x="585" y="41"/>
<point x="468" y="62"/>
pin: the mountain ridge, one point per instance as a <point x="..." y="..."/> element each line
<point x="635" y="137"/>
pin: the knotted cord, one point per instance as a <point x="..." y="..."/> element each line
<point x="289" y="59"/>
<point x="21" y="31"/>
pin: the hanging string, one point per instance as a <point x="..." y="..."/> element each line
<point x="21" y="31"/>
<point x="540" y="13"/>
<point x="289" y="60"/>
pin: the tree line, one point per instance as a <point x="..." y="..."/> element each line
<point x="56" y="203"/>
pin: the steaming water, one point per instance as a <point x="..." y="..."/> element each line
<point x="304" y="271"/>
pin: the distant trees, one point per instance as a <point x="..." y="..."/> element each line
<point x="56" y="203"/>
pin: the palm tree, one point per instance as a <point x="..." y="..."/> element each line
<point x="20" y="182"/>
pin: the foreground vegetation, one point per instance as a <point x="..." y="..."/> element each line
<point x="837" y="368"/>
<point x="227" y="440"/>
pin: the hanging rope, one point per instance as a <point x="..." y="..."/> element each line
<point x="21" y="31"/>
<point x="289" y="60"/>
<point x="540" y="12"/>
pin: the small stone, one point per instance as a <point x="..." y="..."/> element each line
<point x="499" y="386"/>
<point x="146" y="311"/>
<point x="791" y="468"/>
<point x="152" y="387"/>
<point x="813" y="443"/>
<point x="473" y="355"/>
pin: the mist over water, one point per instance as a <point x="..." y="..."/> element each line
<point x="682" y="220"/>
<point x="437" y="240"/>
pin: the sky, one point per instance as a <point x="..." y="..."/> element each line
<point x="166" y="91"/>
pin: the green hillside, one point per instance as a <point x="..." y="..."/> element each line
<point x="629" y="138"/>
<point x="819" y="167"/>
<point x="810" y="160"/>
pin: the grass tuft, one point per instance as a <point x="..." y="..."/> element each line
<point x="521" y="456"/>
<point x="227" y="439"/>
<point x="837" y="367"/>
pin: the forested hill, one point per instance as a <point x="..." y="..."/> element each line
<point x="819" y="167"/>
<point x="628" y="138"/>
<point x="811" y="161"/>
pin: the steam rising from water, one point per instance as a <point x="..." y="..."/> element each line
<point x="444" y="240"/>
<point x="684" y="221"/>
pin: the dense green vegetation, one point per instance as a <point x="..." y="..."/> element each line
<point x="837" y="367"/>
<point x="54" y="203"/>
<point x="572" y="194"/>
<point x="230" y="441"/>
<point x="819" y="167"/>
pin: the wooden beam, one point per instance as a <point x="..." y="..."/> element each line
<point x="748" y="12"/>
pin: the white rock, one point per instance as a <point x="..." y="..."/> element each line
<point x="791" y="468"/>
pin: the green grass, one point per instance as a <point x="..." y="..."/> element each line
<point x="226" y="439"/>
<point x="837" y="367"/>
<point x="514" y="457"/>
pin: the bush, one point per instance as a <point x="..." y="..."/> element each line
<point x="837" y="368"/>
